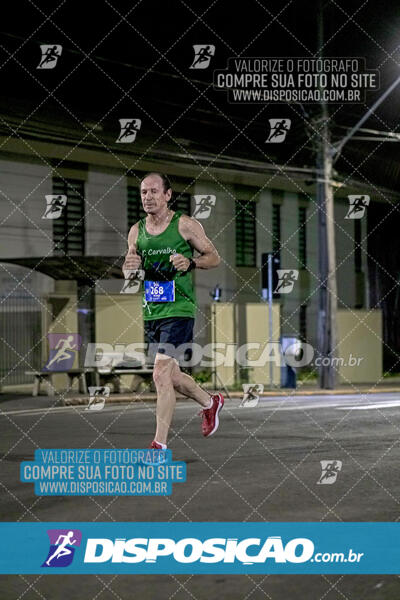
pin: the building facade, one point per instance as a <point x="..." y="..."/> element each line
<point x="253" y="214"/>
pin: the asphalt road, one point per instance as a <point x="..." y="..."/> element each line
<point x="263" y="464"/>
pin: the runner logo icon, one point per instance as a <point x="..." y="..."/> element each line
<point x="251" y="394"/>
<point x="357" y="207"/>
<point x="54" y="206"/>
<point x="63" y="349"/>
<point x="132" y="281"/>
<point x="204" y="205"/>
<point x="129" y="129"/>
<point x="202" y="56"/>
<point x="63" y="543"/>
<point x="50" y="55"/>
<point x="97" y="397"/>
<point x="279" y="129"/>
<point x="286" y="281"/>
<point x="330" y="470"/>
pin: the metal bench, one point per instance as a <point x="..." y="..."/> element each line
<point x="46" y="376"/>
<point x="114" y="376"/>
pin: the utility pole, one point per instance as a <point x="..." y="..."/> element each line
<point x="327" y="299"/>
<point x="327" y="153"/>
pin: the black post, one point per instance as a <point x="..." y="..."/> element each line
<point x="86" y="321"/>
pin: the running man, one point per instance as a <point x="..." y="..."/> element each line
<point x="162" y="243"/>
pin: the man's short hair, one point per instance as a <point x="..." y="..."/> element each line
<point x="164" y="178"/>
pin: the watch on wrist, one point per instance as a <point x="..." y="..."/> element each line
<point x="192" y="265"/>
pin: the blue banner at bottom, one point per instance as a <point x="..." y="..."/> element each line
<point x="208" y="548"/>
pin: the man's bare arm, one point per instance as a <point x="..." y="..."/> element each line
<point x="194" y="233"/>
<point x="132" y="259"/>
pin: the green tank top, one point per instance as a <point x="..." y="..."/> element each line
<point x="155" y="251"/>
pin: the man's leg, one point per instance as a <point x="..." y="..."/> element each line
<point x="212" y="405"/>
<point x="187" y="386"/>
<point x="168" y="377"/>
<point x="166" y="398"/>
<point x="178" y="332"/>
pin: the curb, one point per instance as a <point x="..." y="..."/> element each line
<point x="134" y="397"/>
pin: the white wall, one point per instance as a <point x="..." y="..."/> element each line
<point x="106" y="214"/>
<point x="23" y="232"/>
<point x="220" y="228"/>
<point x="344" y="232"/>
<point x="22" y="203"/>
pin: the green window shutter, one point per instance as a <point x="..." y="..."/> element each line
<point x="181" y="202"/>
<point x="246" y="242"/>
<point x="134" y="205"/>
<point x="69" y="228"/>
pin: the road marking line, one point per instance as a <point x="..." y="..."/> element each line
<point x="371" y="406"/>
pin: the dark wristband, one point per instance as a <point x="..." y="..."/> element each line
<point x="192" y="265"/>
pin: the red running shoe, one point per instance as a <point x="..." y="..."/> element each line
<point x="210" y="415"/>
<point x="156" y="446"/>
<point x="157" y="456"/>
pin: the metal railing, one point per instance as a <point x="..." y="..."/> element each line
<point x="20" y="338"/>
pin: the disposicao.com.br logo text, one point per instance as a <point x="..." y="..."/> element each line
<point x="247" y="551"/>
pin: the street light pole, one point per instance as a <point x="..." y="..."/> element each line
<point x="327" y="299"/>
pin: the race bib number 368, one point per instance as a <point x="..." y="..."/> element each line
<point x="159" y="291"/>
